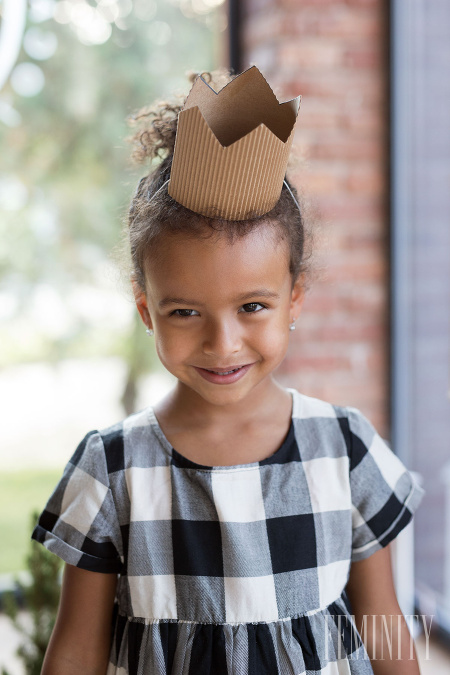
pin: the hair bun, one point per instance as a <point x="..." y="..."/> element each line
<point x="156" y="130"/>
<point x="156" y="124"/>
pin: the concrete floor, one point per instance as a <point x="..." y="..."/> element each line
<point x="9" y="642"/>
<point x="434" y="660"/>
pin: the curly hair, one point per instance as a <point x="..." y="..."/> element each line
<point x="153" y="214"/>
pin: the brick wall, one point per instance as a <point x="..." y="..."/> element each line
<point x="334" y="53"/>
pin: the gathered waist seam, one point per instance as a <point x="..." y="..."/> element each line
<point x="149" y="622"/>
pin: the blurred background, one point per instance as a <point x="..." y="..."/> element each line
<point x="372" y="153"/>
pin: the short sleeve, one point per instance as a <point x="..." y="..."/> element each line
<point x="384" y="493"/>
<point x="79" y="523"/>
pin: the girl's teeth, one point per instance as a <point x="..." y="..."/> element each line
<point x="227" y="373"/>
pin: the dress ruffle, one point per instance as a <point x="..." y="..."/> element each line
<point x="325" y="641"/>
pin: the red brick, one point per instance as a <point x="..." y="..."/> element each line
<point x="337" y="22"/>
<point x="333" y="53"/>
<point x="360" y="208"/>
<point x="262" y="28"/>
<point x="343" y="270"/>
<point x="355" y="88"/>
<point x="305" y="4"/>
<point x="350" y="147"/>
<point x="325" y="362"/>
<point x="312" y="54"/>
<point x="367" y="121"/>
<point x="348" y="235"/>
<point x="367" y="179"/>
<point x="319" y="118"/>
<point x="363" y="56"/>
<point x="321" y="182"/>
<point x="375" y="4"/>
<point x="347" y="24"/>
<point x="326" y="303"/>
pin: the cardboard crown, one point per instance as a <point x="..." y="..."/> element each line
<point x="232" y="148"/>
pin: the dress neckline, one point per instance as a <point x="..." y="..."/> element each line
<point x="183" y="462"/>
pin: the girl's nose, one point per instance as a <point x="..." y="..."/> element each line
<point x="222" y="339"/>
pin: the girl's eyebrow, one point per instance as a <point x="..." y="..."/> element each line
<point x="259" y="292"/>
<point x="177" y="301"/>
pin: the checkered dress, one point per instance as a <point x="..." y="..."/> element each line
<point x="237" y="569"/>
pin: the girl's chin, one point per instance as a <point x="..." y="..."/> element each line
<point x="231" y="395"/>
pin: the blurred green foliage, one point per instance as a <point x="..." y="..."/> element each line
<point x="20" y="492"/>
<point x="40" y="598"/>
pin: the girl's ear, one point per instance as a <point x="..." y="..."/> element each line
<point x="141" y="303"/>
<point x="297" y="297"/>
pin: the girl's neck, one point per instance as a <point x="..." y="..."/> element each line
<point x="243" y="433"/>
<point x="184" y="409"/>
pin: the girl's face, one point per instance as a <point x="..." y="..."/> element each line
<point x="217" y="307"/>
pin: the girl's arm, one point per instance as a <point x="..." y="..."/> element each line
<point x="371" y="592"/>
<point x="81" y="639"/>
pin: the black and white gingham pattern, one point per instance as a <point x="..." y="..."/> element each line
<point x="236" y="550"/>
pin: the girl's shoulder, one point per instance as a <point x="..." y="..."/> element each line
<point x="333" y="430"/>
<point x="141" y="422"/>
<point x="329" y="415"/>
<point x="135" y="440"/>
<point x="309" y="407"/>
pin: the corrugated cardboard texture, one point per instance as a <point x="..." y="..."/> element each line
<point x="232" y="148"/>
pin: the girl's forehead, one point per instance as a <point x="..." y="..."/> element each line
<point x="259" y="257"/>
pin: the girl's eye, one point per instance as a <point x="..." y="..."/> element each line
<point x="183" y="312"/>
<point x="252" y="307"/>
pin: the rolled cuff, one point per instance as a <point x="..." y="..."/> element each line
<point x="73" y="556"/>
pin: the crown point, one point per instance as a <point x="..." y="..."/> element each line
<point x="232" y="147"/>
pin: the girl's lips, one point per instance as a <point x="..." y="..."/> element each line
<point x="217" y="378"/>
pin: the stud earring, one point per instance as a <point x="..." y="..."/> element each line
<point x="292" y="325"/>
<point x="149" y="332"/>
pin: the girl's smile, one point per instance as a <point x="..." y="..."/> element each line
<point x="225" y="376"/>
<point x="221" y="310"/>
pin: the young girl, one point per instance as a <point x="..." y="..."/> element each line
<point x="236" y="526"/>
